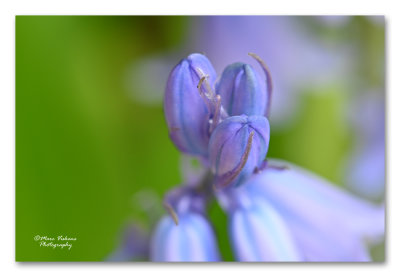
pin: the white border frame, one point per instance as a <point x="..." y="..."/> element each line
<point x="9" y="267"/>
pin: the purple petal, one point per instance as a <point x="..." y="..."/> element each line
<point x="228" y="144"/>
<point x="329" y="223"/>
<point x="185" y="110"/>
<point x="241" y="90"/>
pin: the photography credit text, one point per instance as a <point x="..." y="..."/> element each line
<point x="55" y="242"/>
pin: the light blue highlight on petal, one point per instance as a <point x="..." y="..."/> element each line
<point x="201" y="62"/>
<point x="193" y="240"/>
<point x="258" y="233"/>
<point x="328" y="223"/>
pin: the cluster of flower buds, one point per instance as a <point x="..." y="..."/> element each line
<point x="224" y="124"/>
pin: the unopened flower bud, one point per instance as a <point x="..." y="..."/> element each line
<point x="186" y="112"/>
<point x="242" y="91"/>
<point x="237" y="147"/>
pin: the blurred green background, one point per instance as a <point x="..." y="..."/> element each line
<point x="90" y="156"/>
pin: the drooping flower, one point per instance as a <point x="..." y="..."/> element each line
<point x="186" y="112"/>
<point x="237" y="147"/>
<point x="259" y="233"/>
<point x="328" y="224"/>
<point x="192" y="240"/>
<point x="186" y="235"/>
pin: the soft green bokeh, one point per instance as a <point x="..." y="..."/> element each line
<point x="85" y="147"/>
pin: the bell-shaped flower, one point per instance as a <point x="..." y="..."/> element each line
<point x="186" y="236"/>
<point x="258" y="232"/>
<point x="328" y="223"/>
<point x="186" y="111"/>
<point x="242" y="91"/>
<point x="237" y="147"/>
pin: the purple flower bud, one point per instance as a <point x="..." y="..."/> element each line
<point x="237" y="147"/>
<point x="242" y="91"/>
<point x="193" y="240"/>
<point x="259" y="234"/>
<point x="186" y="112"/>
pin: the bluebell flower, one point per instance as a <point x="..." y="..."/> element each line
<point x="237" y="147"/>
<point x="258" y="232"/>
<point x="192" y="240"/>
<point x="327" y="223"/>
<point x="187" y="113"/>
<point x="276" y="212"/>
<point x="186" y="236"/>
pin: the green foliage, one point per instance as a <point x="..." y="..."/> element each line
<point x="83" y="147"/>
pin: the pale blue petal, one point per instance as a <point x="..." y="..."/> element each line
<point x="329" y="223"/>
<point x="258" y="233"/>
<point x="192" y="240"/>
